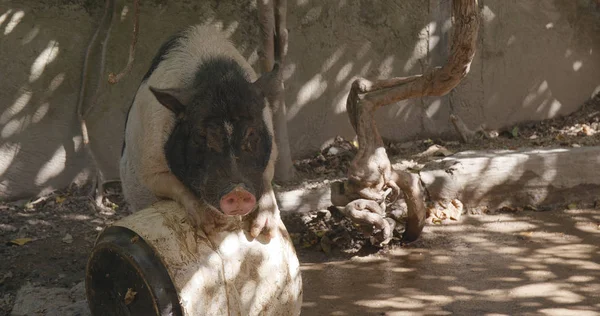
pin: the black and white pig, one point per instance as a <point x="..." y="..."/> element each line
<point x="200" y="131"/>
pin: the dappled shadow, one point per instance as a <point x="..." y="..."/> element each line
<point x="224" y="270"/>
<point x="330" y="43"/>
<point x="530" y="263"/>
<point x="541" y="178"/>
<point x="535" y="60"/>
<point x="62" y="229"/>
<point x="38" y="137"/>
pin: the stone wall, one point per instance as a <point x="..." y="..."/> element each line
<point x="536" y="59"/>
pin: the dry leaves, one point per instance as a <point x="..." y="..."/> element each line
<point x="446" y="210"/>
<point x="129" y="296"/>
<point x="20" y="241"/>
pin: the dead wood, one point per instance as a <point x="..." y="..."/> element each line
<point x="274" y="39"/>
<point x="114" y="78"/>
<point x="370" y="173"/>
<point x="103" y="28"/>
<point x="466" y="134"/>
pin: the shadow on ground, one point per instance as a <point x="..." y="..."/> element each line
<point x="542" y="263"/>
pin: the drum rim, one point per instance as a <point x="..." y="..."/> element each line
<point x="143" y="258"/>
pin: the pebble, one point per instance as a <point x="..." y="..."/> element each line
<point x="68" y="239"/>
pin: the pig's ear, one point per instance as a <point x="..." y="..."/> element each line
<point x="172" y="99"/>
<point x="269" y="83"/>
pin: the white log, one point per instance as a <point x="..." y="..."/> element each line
<point x="221" y="272"/>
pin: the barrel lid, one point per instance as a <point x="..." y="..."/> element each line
<point x="124" y="276"/>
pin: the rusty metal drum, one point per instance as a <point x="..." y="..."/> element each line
<point x="153" y="263"/>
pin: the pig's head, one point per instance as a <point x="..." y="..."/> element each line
<point x="220" y="145"/>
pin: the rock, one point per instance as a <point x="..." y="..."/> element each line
<point x="5" y="301"/>
<point x="7" y="228"/>
<point x="407" y="145"/>
<point x="333" y="151"/>
<point x="68" y="239"/>
<point x="32" y="300"/>
<point x="326" y="244"/>
<point x="77" y="293"/>
<point x="6" y="276"/>
<point x="324" y="214"/>
<point x="79" y="308"/>
<point x="434" y="150"/>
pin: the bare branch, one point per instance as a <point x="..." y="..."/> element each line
<point x="440" y="81"/>
<point x="370" y="173"/>
<point x="112" y="78"/>
<point x="465" y="133"/>
<point x="365" y="86"/>
<point x="266" y="21"/>
<point x="104" y="28"/>
<point x="274" y="38"/>
<point x="281" y="33"/>
<point x="108" y="14"/>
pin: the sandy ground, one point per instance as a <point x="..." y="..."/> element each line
<point x="529" y="263"/>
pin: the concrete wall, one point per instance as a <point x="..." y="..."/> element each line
<point x="536" y="59"/>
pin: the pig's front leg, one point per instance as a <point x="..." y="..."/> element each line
<point x="266" y="218"/>
<point x="166" y="185"/>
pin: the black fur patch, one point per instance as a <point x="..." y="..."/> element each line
<point x="201" y="153"/>
<point x="171" y="43"/>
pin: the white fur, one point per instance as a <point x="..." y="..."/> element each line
<point x="149" y="123"/>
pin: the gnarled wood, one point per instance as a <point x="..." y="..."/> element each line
<point x="274" y="39"/>
<point x="370" y="172"/>
<point x="101" y="34"/>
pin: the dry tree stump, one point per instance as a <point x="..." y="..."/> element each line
<point x="363" y="196"/>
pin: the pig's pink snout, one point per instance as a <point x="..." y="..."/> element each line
<point x="237" y="202"/>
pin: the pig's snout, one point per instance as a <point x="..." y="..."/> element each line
<point x="237" y="202"/>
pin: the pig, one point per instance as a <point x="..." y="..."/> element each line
<point x="200" y="132"/>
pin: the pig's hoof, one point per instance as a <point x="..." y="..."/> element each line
<point x="263" y="223"/>
<point x="193" y="216"/>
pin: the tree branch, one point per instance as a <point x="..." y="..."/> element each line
<point x="370" y="172"/>
<point x="274" y="39"/>
<point x="112" y="78"/>
<point x="266" y="19"/>
<point x="105" y="28"/>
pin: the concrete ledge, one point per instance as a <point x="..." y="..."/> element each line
<point x="516" y="178"/>
<point x="540" y="177"/>
<point x="304" y="200"/>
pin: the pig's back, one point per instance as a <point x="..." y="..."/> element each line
<point x="148" y="123"/>
<point x="195" y="45"/>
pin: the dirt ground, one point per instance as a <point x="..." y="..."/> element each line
<point x="527" y="263"/>
<point x="521" y="262"/>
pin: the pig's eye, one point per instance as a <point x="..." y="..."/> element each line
<point x="250" y="140"/>
<point x="213" y="140"/>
